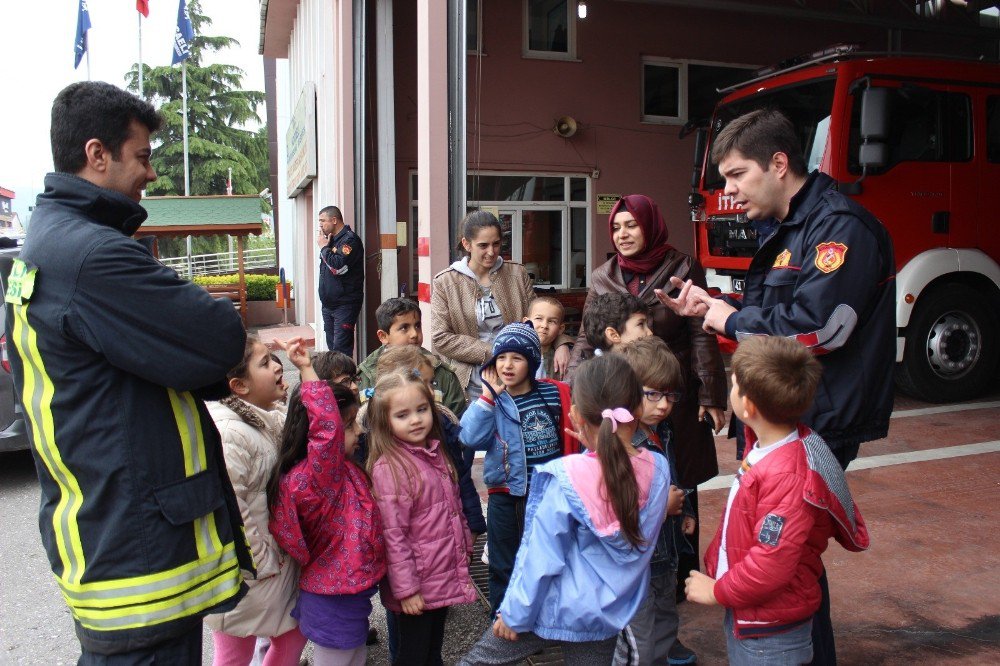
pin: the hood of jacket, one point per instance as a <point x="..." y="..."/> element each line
<point x="462" y="266"/>
<point x="101" y="205"/>
<point x="616" y="547"/>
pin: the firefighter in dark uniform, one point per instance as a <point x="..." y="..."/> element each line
<point x="824" y="275"/>
<point x="113" y="355"/>
<point x="341" y="279"/>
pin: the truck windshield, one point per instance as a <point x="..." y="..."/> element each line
<point x="807" y="105"/>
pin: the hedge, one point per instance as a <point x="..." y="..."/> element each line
<point x="259" y="287"/>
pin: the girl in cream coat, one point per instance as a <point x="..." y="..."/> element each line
<point x="250" y="422"/>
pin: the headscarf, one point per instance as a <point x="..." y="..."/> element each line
<point x="654" y="234"/>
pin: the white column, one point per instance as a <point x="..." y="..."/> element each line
<point x="386" y="149"/>
<point x="432" y="148"/>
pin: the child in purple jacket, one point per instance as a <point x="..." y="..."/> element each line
<point x="427" y="539"/>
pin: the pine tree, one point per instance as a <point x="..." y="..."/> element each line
<point x="219" y="110"/>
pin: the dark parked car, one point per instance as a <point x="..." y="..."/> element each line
<point x="13" y="436"/>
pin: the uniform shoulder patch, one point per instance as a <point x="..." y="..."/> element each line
<point x="770" y="529"/>
<point x="345" y="249"/>
<point x="783" y="259"/>
<point x="21" y="283"/>
<point x="830" y="256"/>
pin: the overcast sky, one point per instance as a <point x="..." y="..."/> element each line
<point x="36" y="62"/>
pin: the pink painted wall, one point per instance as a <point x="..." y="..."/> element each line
<point x="511" y="95"/>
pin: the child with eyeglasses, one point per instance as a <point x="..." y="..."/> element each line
<point x="654" y="626"/>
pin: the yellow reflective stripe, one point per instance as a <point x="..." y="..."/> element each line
<point x="194" y="601"/>
<point x="151" y="587"/>
<point x="184" y="430"/>
<point x="195" y="460"/>
<point x="37" y="403"/>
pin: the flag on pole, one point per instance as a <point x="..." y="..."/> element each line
<point x="142" y="6"/>
<point x="82" y="26"/>
<point x="183" y="35"/>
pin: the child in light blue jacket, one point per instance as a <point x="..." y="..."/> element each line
<point x="590" y="527"/>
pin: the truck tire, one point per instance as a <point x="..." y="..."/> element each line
<point x="952" y="346"/>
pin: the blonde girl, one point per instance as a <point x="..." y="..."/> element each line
<point x="428" y="542"/>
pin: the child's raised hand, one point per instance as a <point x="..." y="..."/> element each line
<point x="688" y="525"/>
<point x="413" y="605"/>
<point x="492" y="378"/>
<point x="700" y="588"/>
<point x="298" y="354"/>
<point x="675" y="501"/>
<point x="577" y="432"/>
<point x="501" y="630"/>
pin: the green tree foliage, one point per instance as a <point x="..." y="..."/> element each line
<point x="219" y="110"/>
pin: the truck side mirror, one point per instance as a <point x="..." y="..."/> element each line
<point x="873" y="152"/>
<point x="700" y="141"/>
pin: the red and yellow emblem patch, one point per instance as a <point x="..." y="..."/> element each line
<point x="345" y="249"/>
<point x="830" y="256"/>
<point x="782" y="260"/>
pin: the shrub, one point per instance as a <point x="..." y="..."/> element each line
<point x="259" y="287"/>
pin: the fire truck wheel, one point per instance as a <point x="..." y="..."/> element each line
<point x="952" y="345"/>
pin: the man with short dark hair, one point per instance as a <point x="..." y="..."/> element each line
<point x="113" y="355"/>
<point x="341" y="279"/>
<point x="824" y="275"/>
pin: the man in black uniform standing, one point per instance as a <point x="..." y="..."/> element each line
<point x="113" y="356"/>
<point x="824" y="275"/>
<point x="341" y="279"/>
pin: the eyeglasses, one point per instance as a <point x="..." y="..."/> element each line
<point x="655" y="396"/>
<point x="347" y="380"/>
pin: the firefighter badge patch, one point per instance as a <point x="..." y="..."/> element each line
<point x="830" y="256"/>
<point x="345" y="249"/>
<point x="781" y="261"/>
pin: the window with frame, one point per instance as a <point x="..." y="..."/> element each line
<point x="549" y="28"/>
<point x="545" y="222"/>
<point x="993" y="128"/>
<point x="925" y="125"/>
<point x="676" y="91"/>
<point x="473" y="28"/>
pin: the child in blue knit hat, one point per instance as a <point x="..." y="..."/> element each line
<point x="521" y="423"/>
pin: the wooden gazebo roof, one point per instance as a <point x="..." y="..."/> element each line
<point x="237" y="215"/>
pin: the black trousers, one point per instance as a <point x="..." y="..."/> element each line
<point x="420" y="638"/>
<point x="184" y="650"/>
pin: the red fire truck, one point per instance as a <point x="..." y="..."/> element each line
<point x="916" y="140"/>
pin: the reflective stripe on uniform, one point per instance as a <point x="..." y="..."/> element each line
<point x="37" y="403"/>
<point x="204" y="595"/>
<point x="195" y="460"/>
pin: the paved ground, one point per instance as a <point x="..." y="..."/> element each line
<point x="928" y="591"/>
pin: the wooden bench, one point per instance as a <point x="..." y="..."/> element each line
<point x="233" y="293"/>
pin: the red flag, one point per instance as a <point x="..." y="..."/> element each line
<point x="142" y="6"/>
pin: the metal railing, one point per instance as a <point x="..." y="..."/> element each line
<point x="221" y="262"/>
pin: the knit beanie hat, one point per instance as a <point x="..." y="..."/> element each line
<point x="519" y="338"/>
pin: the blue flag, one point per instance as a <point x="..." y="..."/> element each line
<point x="82" y="26"/>
<point x="183" y="35"/>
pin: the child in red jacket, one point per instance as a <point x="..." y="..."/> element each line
<point x="789" y="497"/>
<point x="427" y="539"/>
<point x="323" y="514"/>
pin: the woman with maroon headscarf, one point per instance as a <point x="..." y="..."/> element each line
<point x="644" y="262"/>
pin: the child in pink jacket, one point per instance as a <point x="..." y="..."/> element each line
<point x="427" y="540"/>
<point x="323" y="514"/>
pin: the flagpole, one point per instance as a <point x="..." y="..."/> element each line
<point x="88" y="62"/>
<point x="140" y="53"/>
<point x="187" y="174"/>
<point x="184" y="104"/>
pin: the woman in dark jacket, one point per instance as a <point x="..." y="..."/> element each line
<point x="644" y="262"/>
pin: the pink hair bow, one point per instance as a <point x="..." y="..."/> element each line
<point x="617" y="415"/>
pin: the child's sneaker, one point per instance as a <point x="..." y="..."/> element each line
<point x="680" y="655"/>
